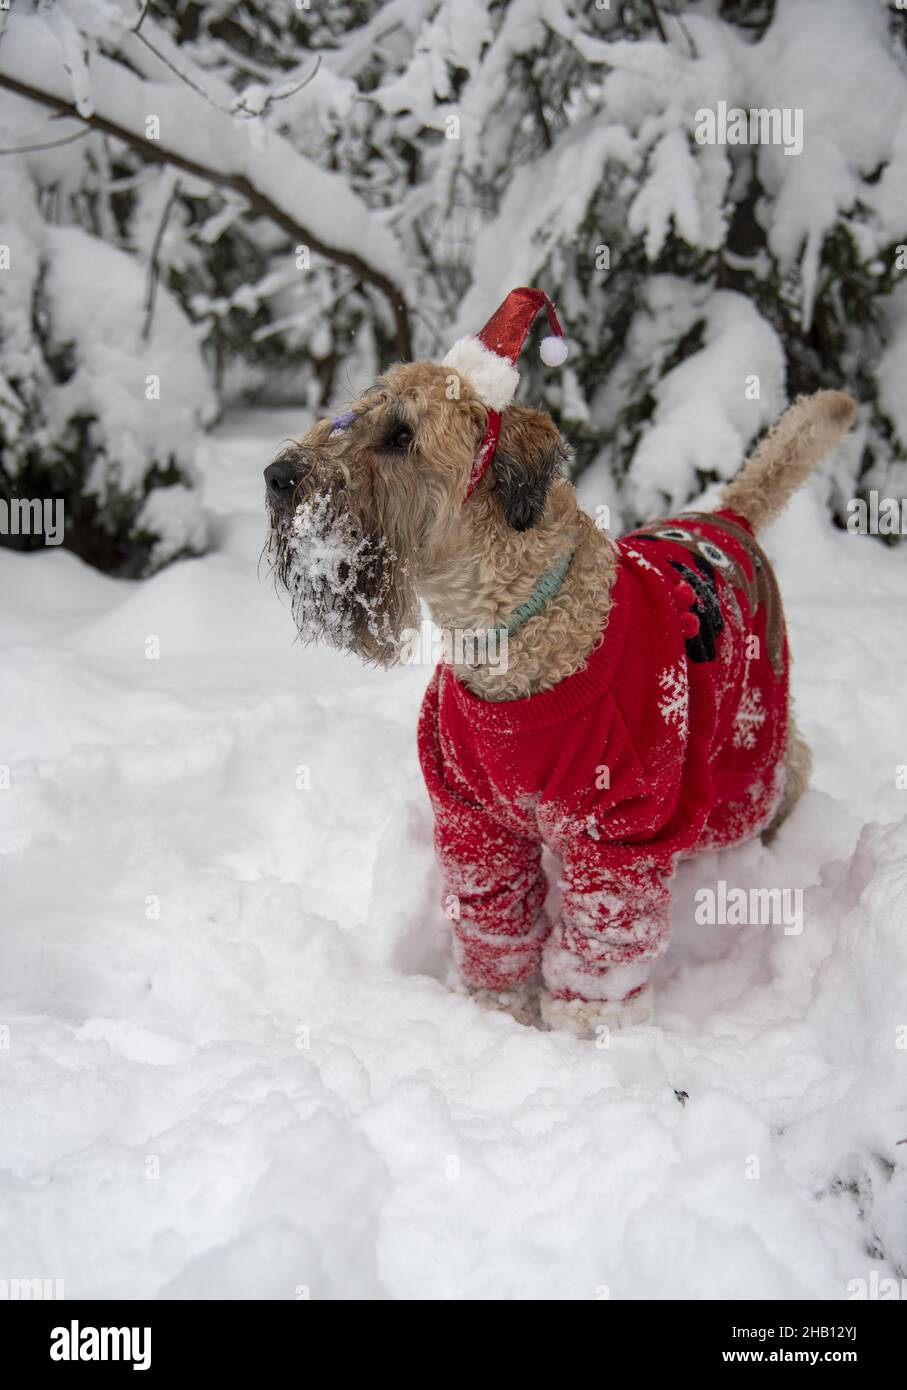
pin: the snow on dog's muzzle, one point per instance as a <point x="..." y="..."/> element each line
<point x="339" y="579"/>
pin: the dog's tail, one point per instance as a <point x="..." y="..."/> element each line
<point x="787" y="455"/>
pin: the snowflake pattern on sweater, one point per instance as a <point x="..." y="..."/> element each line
<point x="691" y="726"/>
<point x="673" y="703"/>
<point x="749" y="718"/>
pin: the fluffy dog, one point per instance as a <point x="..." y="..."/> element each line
<point x="642" y="713"/>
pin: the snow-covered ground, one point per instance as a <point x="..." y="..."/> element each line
<point x="232" y="1065"/>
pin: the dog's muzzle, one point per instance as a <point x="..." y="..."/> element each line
<point x="346" y="584"/>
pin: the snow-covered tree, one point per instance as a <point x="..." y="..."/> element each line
<point x="100" y="402"/>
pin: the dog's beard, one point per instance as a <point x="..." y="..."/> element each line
<point x="344" y="586"/>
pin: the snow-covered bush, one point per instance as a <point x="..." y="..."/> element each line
<point x="101" y="394"/>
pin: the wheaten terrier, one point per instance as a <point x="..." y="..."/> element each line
<point x="624" y="702"/>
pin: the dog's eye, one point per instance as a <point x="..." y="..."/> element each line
<point x="400" y="440"/>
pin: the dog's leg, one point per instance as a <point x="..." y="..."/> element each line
<point x="787" y="455"/>
<point x="521" y="1001"/>
<point x="589" y="1018"/>
<point x="494" y="885"/>
<point x="797" y="767"/>
<point x="615" y="922"/>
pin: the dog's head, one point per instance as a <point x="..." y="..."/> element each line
<point x="367" y="510"/>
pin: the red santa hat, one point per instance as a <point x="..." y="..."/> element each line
<point x="487" y="361"/>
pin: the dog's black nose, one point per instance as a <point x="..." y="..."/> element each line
<point x="281" y="479"/>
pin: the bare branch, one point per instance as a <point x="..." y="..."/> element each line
<point x="684" y="30"/>
<point x="154" y="258"/>
<point x="659" y="23"/>
<point x="240" y="109"/>
<point x="50" y="144"/>
<point x="178" y="72"/>
<point x="239" y="183"/>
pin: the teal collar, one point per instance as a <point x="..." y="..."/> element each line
<point x="544" y="591"/>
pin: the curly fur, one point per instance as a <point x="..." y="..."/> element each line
<point x="788" y="454"/>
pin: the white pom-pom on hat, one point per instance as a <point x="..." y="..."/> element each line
<point x="553" y="351"/>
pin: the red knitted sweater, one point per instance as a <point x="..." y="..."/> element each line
<point x="671" y="739"/>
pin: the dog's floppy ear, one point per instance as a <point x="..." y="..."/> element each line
<point x="529" y="456"/>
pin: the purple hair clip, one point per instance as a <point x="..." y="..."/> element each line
<point x="343" y="422"/>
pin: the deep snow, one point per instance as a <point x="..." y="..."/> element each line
<point x="324" y="1114"/>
